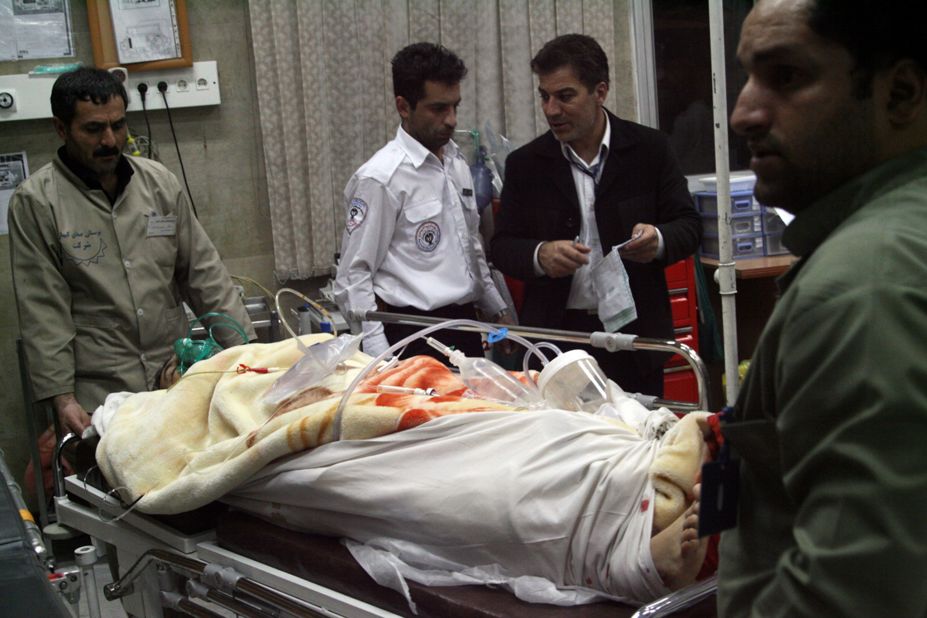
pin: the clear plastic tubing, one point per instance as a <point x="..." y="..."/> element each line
<point x="547" y="345"/>
<point x="339" y="413"/>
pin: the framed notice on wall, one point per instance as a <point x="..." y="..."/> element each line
<point x="141" y="34"/>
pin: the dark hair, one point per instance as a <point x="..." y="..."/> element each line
<point x="580" y="52"/>
<point x="415" y="64"/>
<point x="877" y="33"/>
<point x="84" y="84"/>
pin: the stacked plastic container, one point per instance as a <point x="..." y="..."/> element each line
<point x="773" y="226"/>
<point x="755" y="230"/>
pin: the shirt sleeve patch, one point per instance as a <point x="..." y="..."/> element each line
<point x="357" y="212"/>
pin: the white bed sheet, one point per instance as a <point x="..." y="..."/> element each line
<point x="506" y="497"/>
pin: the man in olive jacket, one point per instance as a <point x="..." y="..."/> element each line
<point x="104" y="250"/>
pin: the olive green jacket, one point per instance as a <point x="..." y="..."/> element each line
<point x="99" y="286"/>
<point x="831" y="423"/>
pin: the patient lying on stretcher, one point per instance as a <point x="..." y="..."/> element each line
<point x="447" y="483"/>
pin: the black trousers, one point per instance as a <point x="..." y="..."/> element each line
<point x="467" y="342"/>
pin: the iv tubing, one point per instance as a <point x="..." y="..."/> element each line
<point x="541" y="344"/>
<point x="336" y="422"/>
<point x="317" y="306"/>
<point x="267" y="293"/>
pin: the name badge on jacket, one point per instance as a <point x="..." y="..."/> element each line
<point x="162" y="226"/>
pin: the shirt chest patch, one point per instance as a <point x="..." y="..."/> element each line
<point x="357" y="212"/>
<point x="427" y="236"/>
<point x="82" y="247"/>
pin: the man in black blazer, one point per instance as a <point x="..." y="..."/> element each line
<point x="591" y="182"/>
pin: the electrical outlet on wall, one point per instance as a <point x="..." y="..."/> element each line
<point x="25" y="97"/>
<point x="189" y="87"/>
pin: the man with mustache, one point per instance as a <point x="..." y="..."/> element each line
<point x="104" y="249"/>
<point x="831" y="422"/>
<point x="592" y="182"/>
<point x="411" y="242"/>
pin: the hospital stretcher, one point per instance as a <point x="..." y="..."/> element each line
<point x="219" y="557"/>
<point x="255" y="568"/>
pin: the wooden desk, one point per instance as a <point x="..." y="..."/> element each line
<point x="757" y="268"/>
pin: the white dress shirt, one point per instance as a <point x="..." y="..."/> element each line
<point x="411" y="236"/>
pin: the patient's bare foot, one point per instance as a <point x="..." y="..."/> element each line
<point x="677" y="551"/>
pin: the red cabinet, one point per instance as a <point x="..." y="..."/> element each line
<point x="679" y="381"/>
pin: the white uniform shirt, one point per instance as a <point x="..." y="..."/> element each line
<point x="411" y="236"/>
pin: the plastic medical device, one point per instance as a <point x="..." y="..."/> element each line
<point x="488" y="380"/>
<point x="574" y="381"/>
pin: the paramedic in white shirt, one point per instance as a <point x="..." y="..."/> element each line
<point x="411" y="241"/>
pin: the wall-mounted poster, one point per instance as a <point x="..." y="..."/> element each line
<point x="145" y="30"/>
<point x="35" y="29"/>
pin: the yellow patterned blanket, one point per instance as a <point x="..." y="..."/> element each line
<point x="178" y="449"/>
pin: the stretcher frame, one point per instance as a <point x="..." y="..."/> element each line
<point x="215" y="575"/>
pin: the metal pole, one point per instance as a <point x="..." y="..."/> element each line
<point x="726" y="274"/>
<point x="85" y="557"/>
<point x="229" y="578"/>
<point x="33" y="534"/>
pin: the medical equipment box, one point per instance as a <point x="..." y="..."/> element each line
<point x="773" y="226"/>
<point x="744" y="246"/>
<point x="774" y="245"/>
<point x="741" y="202"/>
<point x="772" y="223"/>
<point x="738" y="181"/>
<point x="741" y="223"/>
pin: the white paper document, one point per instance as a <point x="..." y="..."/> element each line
<point x="35" y="29"/>
<point x="145" y="30"/>
<point x="616" y="303"/>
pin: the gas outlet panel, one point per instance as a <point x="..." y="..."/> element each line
<point x="7" y="100"/>
<point x="26" y="97"/>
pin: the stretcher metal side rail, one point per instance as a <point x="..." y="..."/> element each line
<point x="612" y="342"/>
<point x="223" y="586"/>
